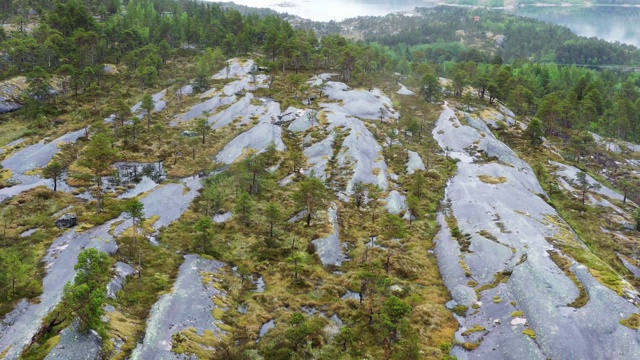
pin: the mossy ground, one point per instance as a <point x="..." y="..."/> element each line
<point x="250" y="249"/>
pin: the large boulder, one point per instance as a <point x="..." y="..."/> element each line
<point x="188" y="133"/>
<point x="109" y="69"/>
<point x="67" y="221"/>
<point x="122" y="271"/>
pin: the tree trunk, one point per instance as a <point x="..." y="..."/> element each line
<point x="98" y="193"/>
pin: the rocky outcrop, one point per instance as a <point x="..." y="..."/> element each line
<point x="167" y="202"/>
<point x="30" y="158"/>
<point x="77" y="345"/>
<point x="189" y="306"/>
<point x="495" y="251"/>
<point x="396" y="202"/>
<point x="122" y="271"/>
<point x="370" y="105"/>
<point x="11" y="93"/>
<point x="329" y="248"/>
<point x="257" y="138"/>
<point x="414" y="162"/>
<point x="360" y="152"/>
<point x="67" y="221"/>
<point x="18" y="327"/>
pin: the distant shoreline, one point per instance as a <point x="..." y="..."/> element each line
<point x="537" y="5"/>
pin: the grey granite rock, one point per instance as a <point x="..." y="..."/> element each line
<point x="122" y="271"/>
<point x="404" y="91"/>
<point x="75" y="344"/>
<point x="67" y="221"/>
<point x="396" y="202"/>
<point x="360" y="151"/>
<point x="329" y="248"/>
<point x="508" y="227"/>
<point x="189" y="305"/>
<point x="414" y="163"/>
<point x="19" y="325"/>
<point x="257" y="138"/>
<point x="318" y="156"/>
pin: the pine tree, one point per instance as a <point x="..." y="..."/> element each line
<point x="98" y="156"/>
<point x="534" y="132"/>
<point x="135" y="209"/>
<point x="584" y="186"/>
<point x="53" y="171"/>
<point x="147" y="105"/>
<point x="204" y="228"/>
<point x="311" y="194"/>
<point x="274" y="216"/>
<point x="244" y="208"/>
<point x="85" y="297"/>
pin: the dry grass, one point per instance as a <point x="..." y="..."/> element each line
<point x="488" y="179"/>
<point x="530" y="332"/>
<point x="12" y="129"/>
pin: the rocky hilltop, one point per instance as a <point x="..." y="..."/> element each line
<point x="521" y="283"/>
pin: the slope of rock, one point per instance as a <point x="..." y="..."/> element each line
<point x="189" y="305"/>
<point x="360" y="151"/>
<point x="329" y="249"/>
<point x="414" y="163"/>
<point x="370" y="105"/>
<point x="493" y="252"/>
<point x="19" y="326"/>
<point x="30" y="158"/>
<point x="77" y="345"/>
<point x="257" y="138"/>
<point x="159" y="104"/>
<point x="167" y="203"/>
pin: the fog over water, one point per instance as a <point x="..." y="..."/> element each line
<point x="326" y="10"/>
<point x="611" y="23"/>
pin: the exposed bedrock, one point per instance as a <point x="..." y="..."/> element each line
<point x="493" y="253"/>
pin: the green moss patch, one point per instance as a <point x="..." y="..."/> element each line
<point x="632" y="321"/>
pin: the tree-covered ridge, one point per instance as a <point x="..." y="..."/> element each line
<point x="562" y="97"/>
<point x="451" y="30"/>
<point x="75" y="40"/>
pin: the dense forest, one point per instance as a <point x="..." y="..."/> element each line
<point x="492" y="31"/>
<point x="87" y="61"/>
<point x="531" y="63"/>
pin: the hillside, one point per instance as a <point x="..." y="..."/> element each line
<point x="281" y="196"/>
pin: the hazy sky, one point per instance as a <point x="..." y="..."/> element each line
<point x="325" y="10"/>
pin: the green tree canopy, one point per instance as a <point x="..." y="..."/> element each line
<point x="312" y="194"/>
